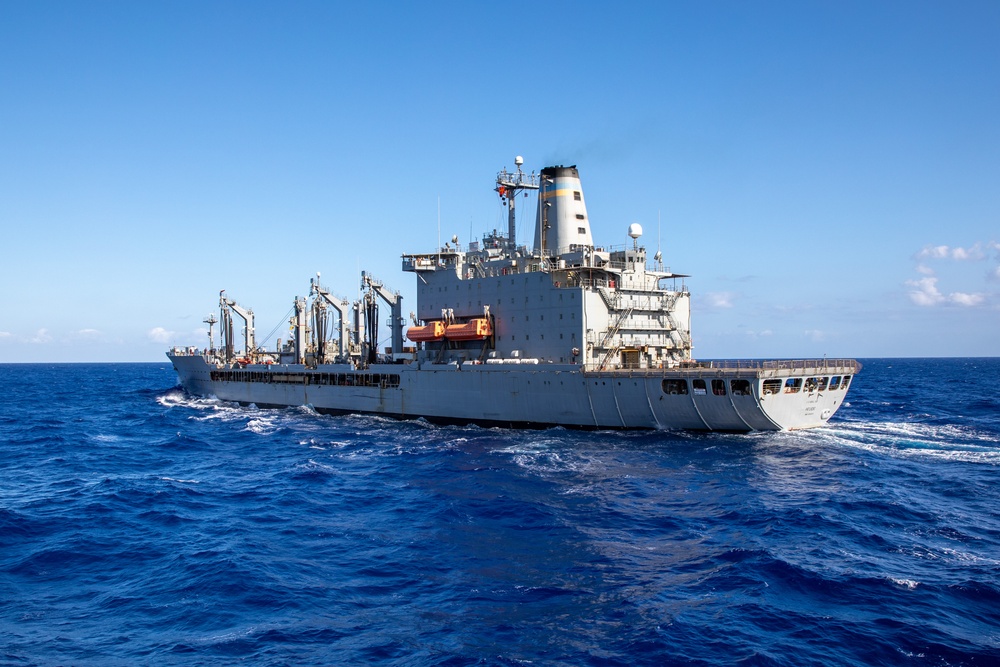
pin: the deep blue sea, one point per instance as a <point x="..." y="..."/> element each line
<point x="142" y="526"/>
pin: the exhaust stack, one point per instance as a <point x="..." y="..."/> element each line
<point x="562" y="224"/>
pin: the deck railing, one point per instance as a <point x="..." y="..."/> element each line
<point x="805" y="366"/>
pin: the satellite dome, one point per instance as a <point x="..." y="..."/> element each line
<point x="635" y="230"/>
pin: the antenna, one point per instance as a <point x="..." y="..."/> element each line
<point x="508" y="186"/>
<point x="210" y="321"/>
<point x="659" y="255"/>
<point x="635" y="231"/>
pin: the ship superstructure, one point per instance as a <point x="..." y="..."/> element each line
<point x="565" y="301"/>
<point x="565" y="333"/>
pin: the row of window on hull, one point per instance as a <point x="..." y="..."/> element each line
<point x="718" y="387"/>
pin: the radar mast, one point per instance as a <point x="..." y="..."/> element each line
<point x="508" y="187"/>
<point x="211" y="322"/>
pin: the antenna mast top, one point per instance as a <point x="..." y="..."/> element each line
<point x="508" y="187"/>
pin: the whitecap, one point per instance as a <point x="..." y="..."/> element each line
<point x="908" y="584"/>
<point x="172" y="398"/>
<point x="316" y="465"/>
<point x="261" y="425"/>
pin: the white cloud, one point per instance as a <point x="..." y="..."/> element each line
<point x="160" y="335"/>
<point x="89" y="334"/>
<point x="973" y="253"/>
<point x="720" y="299"/>
<point x="933" y="252"/>
<point x="963" y="299"/>
<point x="815" y="335"/>
<point x="41" y="337"/>
<point x="925" y="291"/>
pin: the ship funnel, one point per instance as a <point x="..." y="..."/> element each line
<point x="562" y="223"/>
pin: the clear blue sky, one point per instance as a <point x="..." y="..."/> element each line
<point x="827" y="172"/>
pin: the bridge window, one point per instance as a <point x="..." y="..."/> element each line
<point x="719" y="387"/>
<point x="793" y="385"/>
<point x="846" y="382"/>
<point x="772" y="386"/>
<point x="834" y="382"/>
<point x="699" y="386"/>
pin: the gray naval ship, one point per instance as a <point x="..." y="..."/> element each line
<point x="568" y="333"/>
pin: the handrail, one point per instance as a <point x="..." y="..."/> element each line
<point x="806" y="366"/>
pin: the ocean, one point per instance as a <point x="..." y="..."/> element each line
<point x="142" y="526"/>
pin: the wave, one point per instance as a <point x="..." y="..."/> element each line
<point x="958" y="442"/>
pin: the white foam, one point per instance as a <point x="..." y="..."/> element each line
<point x="908" y="584"/>
<point x="172" y="398"/>
<point x="261" y="425"/>
<point x="313" y="464"/>
<point x="176" y="398"/>
<point x="914" y="440"/>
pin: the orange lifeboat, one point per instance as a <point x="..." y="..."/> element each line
<point x="477" y="329"/>
<point x="429" y="332"/>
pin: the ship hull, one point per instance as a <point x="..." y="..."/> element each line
<point x="728" y="397"/>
